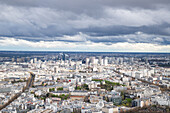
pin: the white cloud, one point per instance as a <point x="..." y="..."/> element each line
<point x="85" y="46"/>
<point x="76" y="38"/>
<point x="158" y="39"/>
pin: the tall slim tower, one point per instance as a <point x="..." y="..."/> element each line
<point x="87" y="61"/>
<point x="105" y="61"/>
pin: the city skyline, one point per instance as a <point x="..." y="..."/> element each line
<point x="87" y="26"/>
<point x="81" y="82"/>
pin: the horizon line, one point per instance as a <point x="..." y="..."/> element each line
<point x="80" y="51"/>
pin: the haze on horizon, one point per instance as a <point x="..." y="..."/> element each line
<point x="81" y="25"/>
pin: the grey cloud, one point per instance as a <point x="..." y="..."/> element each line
<point x="138" y="37"/>
<point x="84" y="4"/>
<point x="106" y="21"/>
<point x="162" y="29"/>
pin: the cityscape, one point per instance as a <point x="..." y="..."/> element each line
<point x="84" y="56"/>
<point x="84" y="82"/>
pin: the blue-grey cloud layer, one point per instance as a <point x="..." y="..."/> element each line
<point x="100" y="21"/>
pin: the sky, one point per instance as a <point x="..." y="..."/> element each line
<point x="85" y="25"/>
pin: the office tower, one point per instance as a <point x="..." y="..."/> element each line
<point x="100" y="60"/>
<point x="121" y="60"/>
<point x="132" y="60"/>
<point x="105" y="61"/>
<point x="92" y="60"/>
<point x="96" y="61"/>
<point x="13" y="59"/>
<point x="32" y="61"/>
<point x="87" y="61"/>
<point x="35" y="60"/>
<point x="18" y="60"/>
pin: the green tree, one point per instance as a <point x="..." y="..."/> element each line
<point x="78" y="88"/>
<point x="60" y="88"/>
<point x="52" y="89"/>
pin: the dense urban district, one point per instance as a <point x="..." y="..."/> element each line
<point x="84" y="82"/>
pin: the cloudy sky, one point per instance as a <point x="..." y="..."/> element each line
<point x="85" y="25"/>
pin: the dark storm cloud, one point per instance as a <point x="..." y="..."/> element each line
<point x="80" y="5"/>
<point x="138" y="37"/>
<point x="122" y="30"/>
<point x="107" y="21"/>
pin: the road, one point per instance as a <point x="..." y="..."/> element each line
<point x="28" y="85"/>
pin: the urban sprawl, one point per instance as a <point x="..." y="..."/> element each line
<point x="84" y="83"/>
